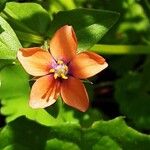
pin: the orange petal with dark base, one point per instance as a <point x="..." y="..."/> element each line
<point x="63" y="45"/>
<point x="87" y="64"/>
<point x="35" y="61"/>
<point x="74" y="94"/>
<point x="44" y="92"/>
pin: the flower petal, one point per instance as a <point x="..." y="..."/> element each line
<point x="63" y="45"/>
<point x="44" y="92"/>
<point x="74" y="94"/>
<point x="87" y="64"/>
<point x="35" y="61"/>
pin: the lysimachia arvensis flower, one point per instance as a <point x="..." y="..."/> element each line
<point x="60" y="70"/>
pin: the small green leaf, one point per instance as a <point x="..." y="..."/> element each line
<point x="9" y="43"/>
<point x="55" y="144"/>
<point x="90" y="25"/>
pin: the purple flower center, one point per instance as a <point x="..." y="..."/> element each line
<point x="60" y="69"/>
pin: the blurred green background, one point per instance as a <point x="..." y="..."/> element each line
<point x="123" y="89"/>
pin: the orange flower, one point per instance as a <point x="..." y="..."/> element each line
<point x="60" y="70"/>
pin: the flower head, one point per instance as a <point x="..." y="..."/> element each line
<point x="60" y="70"/>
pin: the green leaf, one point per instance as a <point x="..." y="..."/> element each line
<point x="90" y="25"/>
<point x="9" y="43"/>
<point x="125" y="136"/>
<point x="8" y="76"/>
<point x="111" y="135"/>
<point x="29" y="20"/>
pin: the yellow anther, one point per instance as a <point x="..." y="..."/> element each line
<point x="52" y="70"/>
<point x="60" y="70"/>
<point x="60" y="62"/>
<point x="55" y="75"/>
<point x="63" y="76"/>
<point x="66" y="68"/>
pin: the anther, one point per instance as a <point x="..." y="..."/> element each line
<point x="63" y="76"/>
<point x="66" y="68"/>
<point x="55" y="75"/>
<point x="60" y="70"/>
<point x="52" y="70"/>
<point x="60" y="62"/>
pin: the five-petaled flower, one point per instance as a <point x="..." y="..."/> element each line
<point x="60" y="70"/>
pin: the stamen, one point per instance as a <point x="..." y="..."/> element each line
<point x="52" y="70"/>
<point x="60" y="70"/>
<point x="55" y="75"/>
<point x="63" y="76"/>
<point x="60" y="62"/>
<point x="66" y="68"/>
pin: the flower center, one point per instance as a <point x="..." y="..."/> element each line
<point x="60" y="70"/>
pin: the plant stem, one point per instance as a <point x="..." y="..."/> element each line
<point x="120" y="49"/>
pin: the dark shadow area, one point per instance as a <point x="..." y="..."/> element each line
<point x="104" y="94"/>
<point x="27" y="134"/>
<point x="53" y="110"/>
<point x="1" y="29"/>
<point x="2" y="119"/>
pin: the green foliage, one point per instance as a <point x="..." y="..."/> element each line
<point x="111" y="135"/>
<point x="134" y="17"/>
<point x="132" y="94"/>
<point x="53" y="6"/>
<point x="32" y="27"/>
<point x="9" y="43"/>
<point x="29" y="20"/>
<point x="135" y="22"/>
